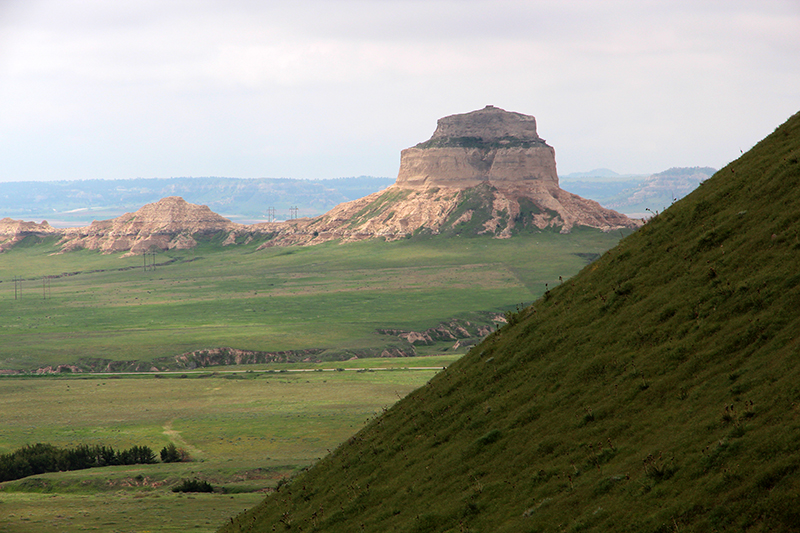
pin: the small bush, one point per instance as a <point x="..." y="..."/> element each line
<point x="173" y="454"/>
<point x="490" y="437"/>
<point x="193" y="485"/>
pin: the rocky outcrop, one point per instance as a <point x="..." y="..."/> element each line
<point x="481" y="173"/>
<point x="502" y="150"/>
<point x="454" y="330"/>
<point x="13" y="232"/>
<point x="488" y="145"/>
<point x="170" y="223"/>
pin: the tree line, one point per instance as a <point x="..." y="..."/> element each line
<point x="42" y="458"/>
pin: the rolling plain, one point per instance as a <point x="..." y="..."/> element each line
<point x="245" y="427"/>
<point x="331" y="297"/>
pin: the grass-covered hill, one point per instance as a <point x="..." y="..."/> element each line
<point x="658" y="390"/>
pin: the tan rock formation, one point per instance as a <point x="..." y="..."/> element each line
<point x="488" y="145"/>
<point x="13" y="231"/>
<point x="481" y="173"/>
<point x="502" y="149"/>
<point x="169" y="223"/>
<point x="484" y="172"/>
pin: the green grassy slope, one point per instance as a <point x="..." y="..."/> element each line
<point x="245" y="431"/>
<point x="328" y="296"/>
<point x="658" y="390"/>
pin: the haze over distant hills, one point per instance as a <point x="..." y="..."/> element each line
<point x="637" y="196"/>
<point x="486" y="172"/>
<point x="78" y="202"/>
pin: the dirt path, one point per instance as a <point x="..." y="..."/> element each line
<point x="175" y="437"/>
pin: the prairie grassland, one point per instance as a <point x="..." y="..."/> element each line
<point x="244" y="432"/>
<point x="326" y="296"/>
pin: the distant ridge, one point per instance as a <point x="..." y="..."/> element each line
<point x="76" y="203"/>
<point x="656" y="391"/>
<point x="596" y="173"/>
<point x="486" y="172"/>
<point x="639" y="196"/>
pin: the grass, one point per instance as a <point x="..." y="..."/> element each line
<point x="655" y="391"/>
<point x="326" y="297"/>
<point x="244" y="430"/>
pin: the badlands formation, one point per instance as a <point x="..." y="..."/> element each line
<point x="481" y="173"/>
<point x="485" y="172"/>
<point x="170" y="223"/>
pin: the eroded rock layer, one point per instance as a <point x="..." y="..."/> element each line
<point x="13" y="232"/>
<point x="485" y="172"/>
<point x="481" y="173"/>
<point x="488" y="145"/>
<point x="167" y="224"/>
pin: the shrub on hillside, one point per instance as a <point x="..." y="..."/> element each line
<point x="173" y="454"/>
<point x="193" y="485"/>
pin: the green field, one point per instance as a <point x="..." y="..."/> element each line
<point x="331" y="297"/>
<point x="244" y="431"/>
<point x="248" y="429"/>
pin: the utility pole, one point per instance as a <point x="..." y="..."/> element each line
<point x="152" y="260"/>
<point x="271" y="214"/>
<point x="293" y="212"/>
<point x="46" y="287"/>
<point x="17" y="288"/>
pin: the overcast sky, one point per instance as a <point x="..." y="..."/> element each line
<point x="333" y="88"/>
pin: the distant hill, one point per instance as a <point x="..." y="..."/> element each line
<point x="636" y="196"/>
<point x="596" y="173"/>
<point x="486" y="172"/>
<point x="656" y="391"/>
<point x="77" y="203"/>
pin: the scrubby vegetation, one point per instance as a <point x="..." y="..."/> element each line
<point x="479" y="143"/>
<point x="193" y="485"/>
<point x="656" y="391"/>
<point x="172" y="454"/>
<point x="42" y="458"/>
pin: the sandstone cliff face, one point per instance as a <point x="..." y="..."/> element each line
<point x="489" y="145"/>
<point x="481" y="173"/>
<point x="484" y="172"/>
<point x="14" y="231"/>
<point x="502" y="150"/>
<point x="169" y="223"/>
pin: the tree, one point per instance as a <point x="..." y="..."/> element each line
<point x="172" y="454"/>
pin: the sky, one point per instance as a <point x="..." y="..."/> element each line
<point x="333" y="88"/>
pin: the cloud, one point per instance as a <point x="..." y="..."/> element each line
<point x="330" y="88"/>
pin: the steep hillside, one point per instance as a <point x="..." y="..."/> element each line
<point x="658" y="390"/>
